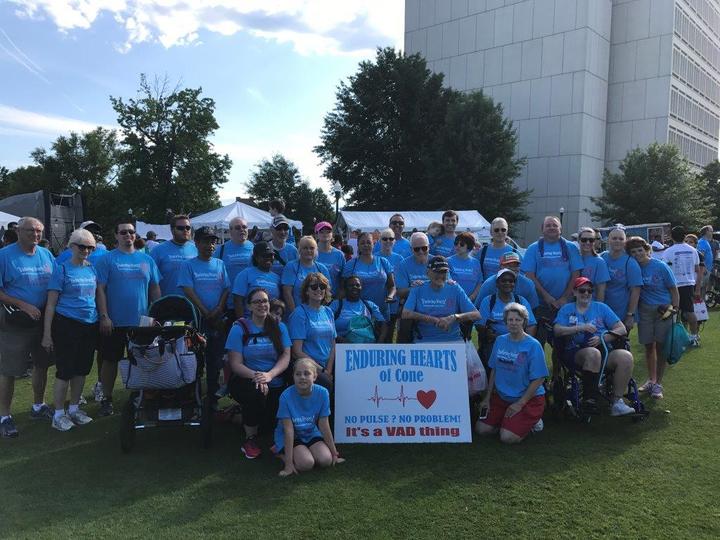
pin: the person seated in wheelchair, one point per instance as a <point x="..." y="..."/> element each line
<point x="583" y="324"/>
<point x="491" y="323"/>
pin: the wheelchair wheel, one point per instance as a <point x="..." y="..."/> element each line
<point x="711" y="299"/>
<point x="127" y="425"/>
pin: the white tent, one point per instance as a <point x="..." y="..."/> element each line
<point x="6" y="218"/>
<point x="163" y="232"/>
<point x="470" y="220"/>
<point x="220" y="218"/>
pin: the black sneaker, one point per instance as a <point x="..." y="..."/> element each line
<point x="590" y="406"/>
<point x="43" y="413"/>
<point x="106" y="408"/>
<point x="8" y="429"/>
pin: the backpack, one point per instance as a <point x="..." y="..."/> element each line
<point x="247" y="335"/>
<point x="483" y="253"/>
<point x="563" y="248"/>
<point x="360" y="328"/>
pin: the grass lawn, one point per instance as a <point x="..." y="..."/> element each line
<point x="612" y="478"/>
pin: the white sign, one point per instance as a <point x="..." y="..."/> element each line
<point x="401" y="393"/>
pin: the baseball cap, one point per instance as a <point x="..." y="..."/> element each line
<point x="579" y="282"/>
<point x="322" y="225"/>
<point x="438" y="264"/>
<point x="91" y="226"/>
<point x="506" y="271"/>
<point x="509" y="258"/>
<point x="280" y="220"/>
<point x="204" y="233"/>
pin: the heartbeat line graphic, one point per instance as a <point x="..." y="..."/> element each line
<point x="402" y="397"/>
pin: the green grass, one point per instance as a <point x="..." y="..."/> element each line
<point x="612" y="478"/>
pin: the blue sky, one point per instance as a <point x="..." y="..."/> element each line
<point x="272" y="66"/>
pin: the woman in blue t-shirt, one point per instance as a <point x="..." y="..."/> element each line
<point x="659" y="292"/>
<point x="594" y="266"/>
<point x="258" y="274"/>
<point x="71" y="328"/>
<point x="376" y="273"/>
<point x="258" y="354"/>
<point x="515" y="398"/>
<point x="351" y="306"/>
<point x="295" y="271"/>
<point x="303" y="437"/>
<point x="312" y="327"/>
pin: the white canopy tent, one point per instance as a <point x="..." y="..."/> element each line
<point x="6" y="218"/>
<point x="470" y="220"/>
<point x="220" y="218"/>
<point x="163" y="232"/>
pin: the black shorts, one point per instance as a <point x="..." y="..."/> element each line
<point x="298" y="442"/>
<point x="687" y="298"/>
<point x="74" y="346"/>
<point x="112" y="347"/>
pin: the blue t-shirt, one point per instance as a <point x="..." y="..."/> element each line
<point x="552" y="270"/>
<point x="352" y="309"/>
<point x="373" y="277"/>
<point x="237" y="257"/>
<point x="66" y="254"/>
<point x="287" y="253"/>
<point x="395" y="259"/>
<point x="595" y="269"/>
<point x="516" y="365"/>
<point x="498" y="324"/>
<point x="624" y="273"/>
<point x="491" y="264"/>
<point x="208" y="279"/>
<point x="252" y="278"/>
<point x="258" y="353"/>
<point x="77" y="286"/>
<point x="410" y="270"/>
<point x="466" y="272"/>
<point x="169" y="258"/>
<point x="447" y="300"/>
<point x="26" y="277"/>
<point x="295" y="273"/>
<point x="705" y="248"/>
<point x="304" y="413"/>
<point x="402" y="247"/>
<point x="316" y="327"/>
<point x="597" y="314"/>
<point x="127" y="278"/>
<point x="334" y="261"/>
<point x="523" y="287"/>
<point x="443" y="245"/>
<point x="657" y="278"/>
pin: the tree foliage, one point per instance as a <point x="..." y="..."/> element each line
<point x="397" y="139"/>
<point x="710" y="177"/>
<point x="279" y="178"/>
<point x="166" y="159"/>
<point x="654" y="184"/>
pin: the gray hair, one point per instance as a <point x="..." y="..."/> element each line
<point x="514" y="307"/>
<point x="82" y="236"/>
<point x="418" y="236"/>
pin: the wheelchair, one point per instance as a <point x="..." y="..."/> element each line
<point x="566" y="393"/>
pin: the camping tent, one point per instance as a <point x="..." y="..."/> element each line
<point x="220" y="218"/>
<point x="6" y="218"/>
<point x="470" y="220"/>
<point x="162" y="231"/>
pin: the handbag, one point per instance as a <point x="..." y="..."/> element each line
<point x="161" y="364"/>
<point x="676" y="343"/>
<point x="476" y="374"/>
<point x="360" y="330"/>
<point x="701" y="311"/>
<point x="14" y="316"/>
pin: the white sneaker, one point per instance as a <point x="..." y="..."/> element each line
<point x="538" y="427"/>
<point x="620" y="408"/>
<point x="80" y="417"/>
<point x="647" y="386"/>
<point x="98" y="393"/>
<point x="62" y="423"/>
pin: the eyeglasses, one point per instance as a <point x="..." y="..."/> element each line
<point x="240" y="227"/>
<point x="84" y="247"/>
<point x="125" y="232"/>
<point x="182" y="227"/>
<point x="387" y="238"/>
<point x="500" y="230"/>
<point x="418" y="249"/>
<point x="260" y="301"/>
<point x="400" y="223"/>
<point x="316" y="286"/>
<point x="587" y="240"/>
<point x="584" y="291"/>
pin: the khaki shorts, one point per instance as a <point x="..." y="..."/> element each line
<point x="20" y="349"/>
<point x="651" y="328"/>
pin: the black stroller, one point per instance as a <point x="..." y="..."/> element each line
<point x="163" y="370"/>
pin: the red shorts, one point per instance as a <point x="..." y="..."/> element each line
<point x="521" y="423"/>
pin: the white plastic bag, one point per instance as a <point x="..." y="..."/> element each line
<point x="701" y="311"/>
<point x="477" y="378"/>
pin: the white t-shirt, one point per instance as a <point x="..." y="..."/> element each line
<point x="658" y="250"/>
<point x="682" y="259"/>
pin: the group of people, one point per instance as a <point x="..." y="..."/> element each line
<point x="276" y="309"/>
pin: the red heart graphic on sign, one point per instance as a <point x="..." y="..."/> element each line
<point x="426" y="399"/>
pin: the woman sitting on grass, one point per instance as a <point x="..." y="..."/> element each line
<point x="515" y="398"/>
<point x="303" y="432"/>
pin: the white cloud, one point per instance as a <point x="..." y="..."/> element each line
<point x="20" y="122"/>
<point x="312" y="26"/>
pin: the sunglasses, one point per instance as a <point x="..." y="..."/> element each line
<point x="182" y="227"/>
<point x="397" y="223"/>
<point x="584" y="291"/>
<point x="418" y="249"/>
<point x="240" y="227"/>
<point x="587" y="240"/>
<point x="83" y="247"/>
<point x="125" y="232"/>
<point x="387" y="239"/>
<point x="316" y="286"/>
<point x="500" y="230"/>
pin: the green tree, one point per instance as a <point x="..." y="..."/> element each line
<point x="653" y="184"/>
<point x="397" y="139"/>
<point x="710" y="176"/>
<point x="166" y="159"/>
<point x="279" y="178"/>
<point x="25" y="180"/>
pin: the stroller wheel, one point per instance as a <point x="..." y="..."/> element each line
<point x="710" y="299"/>
<point x="127" y="425"/>
<point x="206" y="421"/>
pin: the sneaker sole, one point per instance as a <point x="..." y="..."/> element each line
<point x="249" y="457"/>
<point x="11" y="436"/>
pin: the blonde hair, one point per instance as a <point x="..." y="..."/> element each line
<point x="387" y="232"/>
<point x="307" y="239"/>
<point x="306" y="362"/>
<point x="310" y="278"/>
<point x="82" y="236"/>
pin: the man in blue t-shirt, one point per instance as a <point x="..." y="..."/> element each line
<point x="169" y="256"/>
<point x="523" y="286"/>
<point x="445" y="244"/>
<point x="284" y="251"/>
<point x="236" y="253"/>
<point x="490" y="254"/>
<point x="411" y="272"/>
<point x="25" y="270"/>
<point x="402" y="246"/>
<point x="127" y="281"/>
